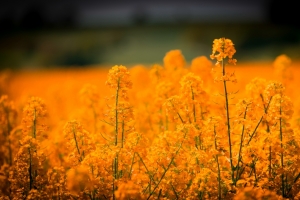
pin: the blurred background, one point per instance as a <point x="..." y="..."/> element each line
<point x="74" y="33"/>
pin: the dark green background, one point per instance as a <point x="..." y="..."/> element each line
<point x="142" y="44"/>
<point x="34" y="41"/>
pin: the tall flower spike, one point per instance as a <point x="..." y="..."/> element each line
<point x="119" y="79"/>
<point x="223" y="48"/>
<point x="33" y="112"/>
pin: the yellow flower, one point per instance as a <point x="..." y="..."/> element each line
<point x="223" y="48"/>
<point x="119" y="77"/>
<point x="33" y="114"/>
<point x="174" y="59"/>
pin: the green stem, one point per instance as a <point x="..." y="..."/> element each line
<point x="270" y="162"/>
<point x="143" y="163"/>
<point x="168" y="167"/>
<point x="239" y="173"/>
<point x="148" y="172"/>
<point x="174" y="191"/>
<point x="159" y="194"/>
<point x="295" y="180"/>
<point x="76" y="143"/>
<point x="116" y="113"/>
<point x="255" y="129"/>
<point x="123" y="137"/>
<point x="132" y="162"/>
<point x="178" y="114"/>
<point x="240" y="149"/>
<point x="194" y="108"/>
<point x="281" y="155"/>
<point x="265" y="111"/>
<point x="268" y="131"/>
<point x="113" y="182"/>
<point x="34" y="124"/>
<point x="161" y="178"/>
<point x="30" y="170"/>
<point x="219" y="171"/>
<point x="180" y="118"/>
<point x="255" y="176"/>
<point x="115" y="165"/>
<point x="228" y="122"/>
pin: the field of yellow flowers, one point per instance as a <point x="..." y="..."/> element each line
<point x="202" y="129"/>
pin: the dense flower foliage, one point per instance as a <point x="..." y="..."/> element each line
<point x="171" y="131"/>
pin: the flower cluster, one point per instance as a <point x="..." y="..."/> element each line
<point x="223" y="48"/>
<point x="177" y="134"/>
<point x="119" y="79"/>
<point x="33" y="115"/>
